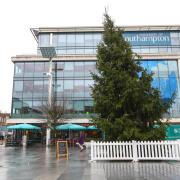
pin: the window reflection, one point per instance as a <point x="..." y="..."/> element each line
<point x="29" y="69"/>
<point x="88" y="39"/>
<point x="28" y="89"/>
<point x="78" y="88"/>
<point x="18" y="89"/>
<point x="153" y="67"/>
<point x="89" y="67"/>
<point x="37" y="108"/>
<point x="26" y="108"/>
<point x="58" y="86"/>
<point x="19" y="69"/>
<point x="88" y="106"/>
<point x="78" y="69"/>
<point x="62" y="39"/>
<point x="173" y="70"/>
<point x="38" y="89"/>
<point x="80" y="39"/>
<point x="79" y="106"/>
<point x="68" y="69"/>
<point x="44" y="39"/>
<point x="165" y="88"/>
<point x="163" y="68"/>
<point x="71" y="85"/>
<point x="68" y="89"/>
<point x="97" y="38"/>
<point x="70" y="40"/>
<point x="45" y="89"/>
<point x="88" y="84"/>
<point x="16" y="108"/>
<point x="39" y="69"/>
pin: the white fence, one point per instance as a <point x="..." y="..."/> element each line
<point x="135" y="150"/>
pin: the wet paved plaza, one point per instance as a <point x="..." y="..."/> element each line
<point x="39" y="163"/>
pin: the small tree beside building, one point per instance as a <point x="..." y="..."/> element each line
<point x="128" y="107"/>
<point x="53" y="112"/>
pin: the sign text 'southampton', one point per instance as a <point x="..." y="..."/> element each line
<point x="146" y="39"/>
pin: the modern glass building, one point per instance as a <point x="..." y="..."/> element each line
<point x="159" y="47"/>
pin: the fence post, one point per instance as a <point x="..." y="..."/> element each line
<point x="178" y="153"/>
<point x="92" y="150"/>
<point x="134" y="146"/>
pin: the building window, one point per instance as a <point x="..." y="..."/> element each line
<point x="19" y="69"/>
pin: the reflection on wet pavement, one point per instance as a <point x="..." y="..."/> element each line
<point x="38" y="163"/>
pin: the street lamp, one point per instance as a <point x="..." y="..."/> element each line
<point x="49" y="52"/>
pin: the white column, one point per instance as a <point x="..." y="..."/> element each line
<point x="50" y="83"/>
<point x="50" y="39"/>
<point x="48" y="136"/>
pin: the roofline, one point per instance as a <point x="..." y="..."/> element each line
<point x="36" y="31"/>
<point x="30" y="58"/>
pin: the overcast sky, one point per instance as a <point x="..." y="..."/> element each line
<point x="18" y="16"/>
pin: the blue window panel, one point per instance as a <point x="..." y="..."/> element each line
<point x="37" y="109"/>
<point x="144" y="64"/>
<point x="173" y="85"/>
<point x="44" y="39"/>
<point x="70" y="51"/>
<point x="173" y="69"/>
<point x="97" y="38"/>
<point x="68" y="105"/>
<point x="80" y="51"/>
<point x="145" y="50"/>
<point x="79" y="69"/>
<point x="16" y="108"/>
<point x="38" y="89"/>
<point x="80" y="39"/>
<point x="153" y="49"/>
<point x="29" y="69"/>
<point x="61" y="39"/>
<point x="19" y="69"/>
<point x="178" y="88"/>
<point x="71" y="39"/>
<point x="155" y="83"/>
<point x="68" y="69"/>
<point x="78" y="88"/>
<point x="68" y="89"/>
<point x="78" y="106"/>
<point x="26" y="109"/>
<point x="136" y="49"/>
<point x="61" y="51"/>
<point x="163" y="68"/>
<point x="165" y="88"/>
<point x="153" y="67"/>
<point x="55" y="40"/>
<point x="89" y="51"/>
<point x="58" y="88"/>
<point x="88" y="39"/>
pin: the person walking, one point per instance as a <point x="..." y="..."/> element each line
<point x="80" y="143"/>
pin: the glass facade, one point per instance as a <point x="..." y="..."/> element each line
<point x="71" y="88"/>
<point x="72" y="79"/>
<point x="86" y="42"/>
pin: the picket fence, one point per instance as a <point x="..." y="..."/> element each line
<point x="135" y="150"/>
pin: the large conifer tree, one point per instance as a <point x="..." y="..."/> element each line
<point x="127" y="105"/>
